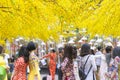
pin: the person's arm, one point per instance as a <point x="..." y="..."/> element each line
<point x="46" y="56"/>
<point x="97" y="56"/>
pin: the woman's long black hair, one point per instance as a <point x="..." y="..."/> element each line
<point x="31" y="46"/>
<point x="23" y="52"/>
<point x="69" y="52"/>
<point x="85" y="50"/>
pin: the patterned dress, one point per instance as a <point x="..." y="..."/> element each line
<point x="34" y="67"/>
<point x="67" y="69"/>
<point x="114" y="68"/>
<point x="52" y="64"/>
<point x="20" y="69"/>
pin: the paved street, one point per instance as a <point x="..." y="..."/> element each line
<point x="44" y="72"/>
<point x="56" y="77"/>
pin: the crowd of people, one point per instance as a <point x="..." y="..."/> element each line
<point x="71" y="63"/>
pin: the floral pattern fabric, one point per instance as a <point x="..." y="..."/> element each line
<point x="67" y="69"/>
<point x="52" y="64"/>
<point x="20" y="69"/>
<point x="34" y="67"/>
<point x="114" y="68"/>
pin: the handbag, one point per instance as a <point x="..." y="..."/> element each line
<point x="2" y="73"/>
<point x="82" y="74"/>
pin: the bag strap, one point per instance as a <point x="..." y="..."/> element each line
<point x="93" y="76"/>
<point x="89" y="68"/>
<point x="86" y="62"/>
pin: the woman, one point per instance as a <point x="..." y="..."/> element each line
<point x="103" y="66"/>
<point x="88" y="62"/>
<point x="113" y="69"/>
<point x="67" y="64"/>
<point x="20" y="65"/>
<point x="52" y="64"/>
<point x="34" y="73"/>
<point x="3" y="66"/>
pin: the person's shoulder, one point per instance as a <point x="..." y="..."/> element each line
<point x="98" y="53"/>
<point x="34" y="58"/>
<point x="89" y="55"/>
<point x="92" y="57"/>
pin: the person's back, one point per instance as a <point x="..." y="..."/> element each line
<point x="67" y="69"/>
<point x="20" y="69"/>
<point x="20" y="65"/>
<point x="108" y="58"/>
<point x="98" y="60"/>
<point x="89" y="63"/>
<point x="67" y="64"/>
<point x="108" y="54"/>
<point x="53" y="58"/>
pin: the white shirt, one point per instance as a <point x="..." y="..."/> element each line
<point x="91" y="61"/>
<point x="98" y="60"/>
